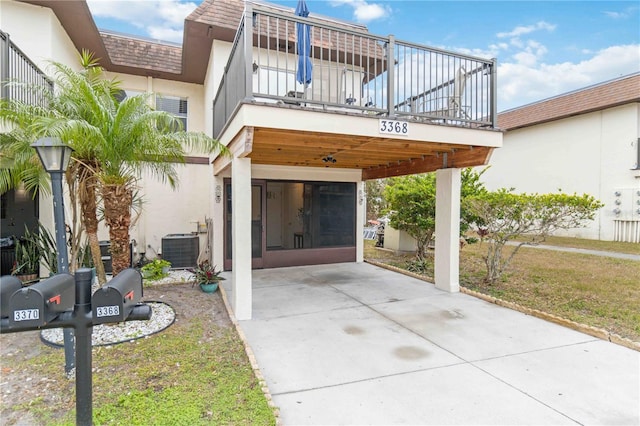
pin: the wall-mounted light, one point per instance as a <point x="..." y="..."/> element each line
<point x="255" y="67"/>
<point x="329" y="159"/>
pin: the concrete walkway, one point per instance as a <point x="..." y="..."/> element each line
<point x="601" y="253"/>
<point x="357" y="344"/>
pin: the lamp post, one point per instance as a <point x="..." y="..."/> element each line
<point x="54" y="156"/>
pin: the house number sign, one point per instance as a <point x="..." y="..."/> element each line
<point x="393" y="127"/>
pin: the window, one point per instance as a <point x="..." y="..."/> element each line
<point x="310" y="215"/>
<point x="121" y="95"/>
<point x="173" y="105"/>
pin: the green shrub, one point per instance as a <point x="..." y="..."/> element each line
<point x="156" y="269"/>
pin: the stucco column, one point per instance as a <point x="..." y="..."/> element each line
<point x="217" y="207"/>
<point x="241" y="237"/>
<point x="447" y="265"/>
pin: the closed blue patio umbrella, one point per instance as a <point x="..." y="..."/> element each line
<point x="304" y="46"/>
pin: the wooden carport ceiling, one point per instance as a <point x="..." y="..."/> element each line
<point x="378" y="157"/>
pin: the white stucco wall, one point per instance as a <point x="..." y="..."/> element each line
<point x="194" y="93"/>
<point x="166" y="210"/>
<point x="40" y="36"/>
<point x="589" y="153"/>
<point x="38" y="33"/>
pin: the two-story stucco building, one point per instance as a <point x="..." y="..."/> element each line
<point x="585" y="141"/>
<point x="306" y="126"/>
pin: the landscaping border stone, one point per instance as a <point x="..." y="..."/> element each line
<point x="252" y="358"/>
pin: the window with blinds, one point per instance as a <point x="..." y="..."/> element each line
<point x="173" y="105"/>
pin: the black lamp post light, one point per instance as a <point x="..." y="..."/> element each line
<point x="54" y="156"/>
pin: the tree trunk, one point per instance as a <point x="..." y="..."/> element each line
<point x="88" y="205"/>
<point x="117" y="201"/>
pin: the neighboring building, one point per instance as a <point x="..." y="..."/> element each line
<point x="586" y="141"/>
<point x="303" y="138"/>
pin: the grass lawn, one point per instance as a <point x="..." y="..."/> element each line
<point x="195" y="372"/>
<point x="597" y="291"/>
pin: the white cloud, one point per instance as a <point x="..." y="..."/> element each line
<point x="364" y="11"/>
<point x="163" y="33"/>
<point x="160" y="19"/>
<point x="626" y="13"/>
<point x="525" y="58"/>
<point x="520" y="83"/>
<point x="522" y="30"/>
<point x="615" y="15"/>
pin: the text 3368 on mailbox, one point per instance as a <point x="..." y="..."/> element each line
<point x="107" y="311"/>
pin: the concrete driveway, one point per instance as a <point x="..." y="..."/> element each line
<point x="357" y="344"/>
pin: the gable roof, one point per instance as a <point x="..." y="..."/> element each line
<point x="122" y="53"/>
<point x="601" y="96"/>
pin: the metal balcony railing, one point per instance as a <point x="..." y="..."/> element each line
<point x="352" y="71"/>
<point x="16" y="67"/>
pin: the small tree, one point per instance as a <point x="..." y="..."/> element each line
<point x="502" y="216"/>
<point x="412" y="203"/>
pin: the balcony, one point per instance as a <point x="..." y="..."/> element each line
<point x="372" y="103"/>
<point x="16" y="67"/>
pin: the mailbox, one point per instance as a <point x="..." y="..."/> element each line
<point x="41" y="303"/>
<point x="8" y="285"/>
<point x="115" y="301"/>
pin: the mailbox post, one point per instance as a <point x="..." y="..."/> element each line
<point x="48" y="303"/>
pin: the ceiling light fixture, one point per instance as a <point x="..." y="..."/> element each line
<point x="329" y="159"/>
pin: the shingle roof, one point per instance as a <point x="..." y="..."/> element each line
<point x="133" y="52"/>
<point x="612" y="93"/>
<point x="213" y="19"/>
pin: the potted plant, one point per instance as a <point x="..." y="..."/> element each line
<point x="206" y="276"/>
<point x="27" y="263"/>
<point x="156" y="269"/>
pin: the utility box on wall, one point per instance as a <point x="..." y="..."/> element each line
<point x="181" y="250"/>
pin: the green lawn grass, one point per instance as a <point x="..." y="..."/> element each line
<point x="189" y="374"/>
<point x="593" y="290"/>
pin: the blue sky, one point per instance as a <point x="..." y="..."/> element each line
<point x="544" y="48"/>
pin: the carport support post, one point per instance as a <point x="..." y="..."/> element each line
<point x="447" y="264"/>
<point x="241" y="237"/>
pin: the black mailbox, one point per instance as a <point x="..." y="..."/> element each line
<point x="115" y="301"/>
<point x="41" y="303"/>
<point x="8" y="285"/>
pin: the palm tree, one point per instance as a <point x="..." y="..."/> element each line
<point x="114" y="143"/>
